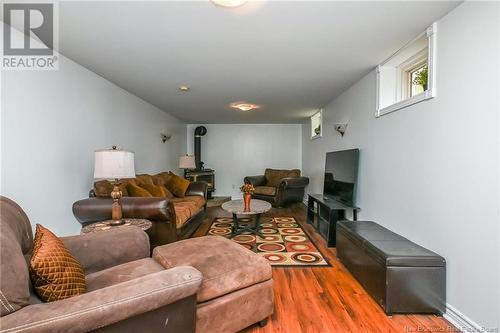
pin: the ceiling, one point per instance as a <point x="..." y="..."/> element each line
<point x="289" y="57"/>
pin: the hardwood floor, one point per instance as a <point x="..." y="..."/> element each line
<point x="327" y="299"/>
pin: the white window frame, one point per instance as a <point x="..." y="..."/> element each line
<point x="317" y="136"/>
<point x="431" y="80"/>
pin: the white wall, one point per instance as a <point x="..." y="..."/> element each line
<point x="236" y="150"/>
<point x="52" y="121"/>
<point x="430" y="172"/>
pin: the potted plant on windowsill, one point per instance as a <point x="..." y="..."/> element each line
<point x="421" y="78"/>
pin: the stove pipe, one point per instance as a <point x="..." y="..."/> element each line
<point x="198" y="133"/>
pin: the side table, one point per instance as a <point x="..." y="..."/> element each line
<point x="104" y="225"/>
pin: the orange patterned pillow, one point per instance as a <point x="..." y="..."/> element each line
<point x="54" y="272"/>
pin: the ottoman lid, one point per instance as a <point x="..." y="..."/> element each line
<point x="404" y="253"/>
<point x="225" y="265"/>
<point x="387" y="247"/>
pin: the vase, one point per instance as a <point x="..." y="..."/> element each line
<point x="246" y="199"/>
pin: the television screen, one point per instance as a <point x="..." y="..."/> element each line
<point x="341" y="174"/>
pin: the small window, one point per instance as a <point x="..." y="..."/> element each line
<point x="407" y="77"/>
<point x="316" y="125"/>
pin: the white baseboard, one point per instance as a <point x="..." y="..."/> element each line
<point x="461" y="321"/>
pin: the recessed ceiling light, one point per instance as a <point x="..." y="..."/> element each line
<point x="184" y="88"/>
<point x="229" y="3"/>
<point x="244" y="106"/>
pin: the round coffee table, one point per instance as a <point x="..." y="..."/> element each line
<point x="237" y="207"/>
<point x="105" y="225"/>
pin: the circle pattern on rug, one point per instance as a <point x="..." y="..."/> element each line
<point x="222" y="225"/>
<point x="284" y="219"/>
<point x="266" y="225"/>
<point x="291" y="231"/>
<point x="275" y="257"/>
<point x="301" y="247"/>
<point x="267" y="231"/>
<point x="270" y="238"/>
<point x="288" y="225"/>
<point x="306" y="258"/>
<point x="271" y="247"/>
<point x="224" y="219"/>
<point x="220" y="231"/>
<point x="245" y="219"/>
<point x="244" y="238"/>
<point x="248" y="246"/>
<point x="295" y="239"/>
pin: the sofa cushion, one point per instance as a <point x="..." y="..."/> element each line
<point x="103" y="188"/>
<point x="185" y="208"/>
<point x="16" y="241"/>
<point x="121" y="273"/>
<point x="265" y="190"/>
<point x="137" y="191"/>
<point x="55" y="273"/>
<point x="194" y="200"/>
<point x="225" y="265"/>
<point x="162" y="178"/>
<point x="274" y="176"/>
<point x="177" y="185"/>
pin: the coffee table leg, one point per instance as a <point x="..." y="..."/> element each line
<point x="257" y="225"/>
<point x="236" y="225"/>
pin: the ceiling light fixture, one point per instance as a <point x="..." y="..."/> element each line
<point x="184" y="88"/>
<point x="229" y="3"/>
<point x="244" y="106"/>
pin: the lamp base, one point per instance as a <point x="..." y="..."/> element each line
<point x="116" y="222"/>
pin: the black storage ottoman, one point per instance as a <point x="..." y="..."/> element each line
<point x="400" y="275"/>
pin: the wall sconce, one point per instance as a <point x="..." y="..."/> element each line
<point x="165" y="137"/>
<point x="340" y="128"/>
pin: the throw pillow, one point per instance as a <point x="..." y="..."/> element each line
<point x="54" y="272"/>
<point x="177" y="185"/>
<point x="137" y="191"/>
<point x="144" y="179"/>
<point x="157" y="191"/>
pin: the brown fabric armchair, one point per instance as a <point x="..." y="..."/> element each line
<point x="279" y="187"/>
<point x="126" y="289"/>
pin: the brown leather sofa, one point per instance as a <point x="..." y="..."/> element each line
<point x="127" y="291"/>
<point x="173" y="218"/>
<point x="279" y="187"/>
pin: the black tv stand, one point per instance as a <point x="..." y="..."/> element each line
<point x="323" y="214"/>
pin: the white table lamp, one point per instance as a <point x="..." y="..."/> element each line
<point x="114" y="164"/>
<point x="187" y="162"/>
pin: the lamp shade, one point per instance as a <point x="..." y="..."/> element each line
<point x="114" y="164"/>
<point x="187" y="162"/>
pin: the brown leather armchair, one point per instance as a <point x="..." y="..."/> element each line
<point x="279" y="187"/>
<point x="126" y="289"/>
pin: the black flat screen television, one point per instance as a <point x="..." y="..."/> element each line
<point x="341" y="176"/>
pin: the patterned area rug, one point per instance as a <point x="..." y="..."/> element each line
<point x="285" y="243"/>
